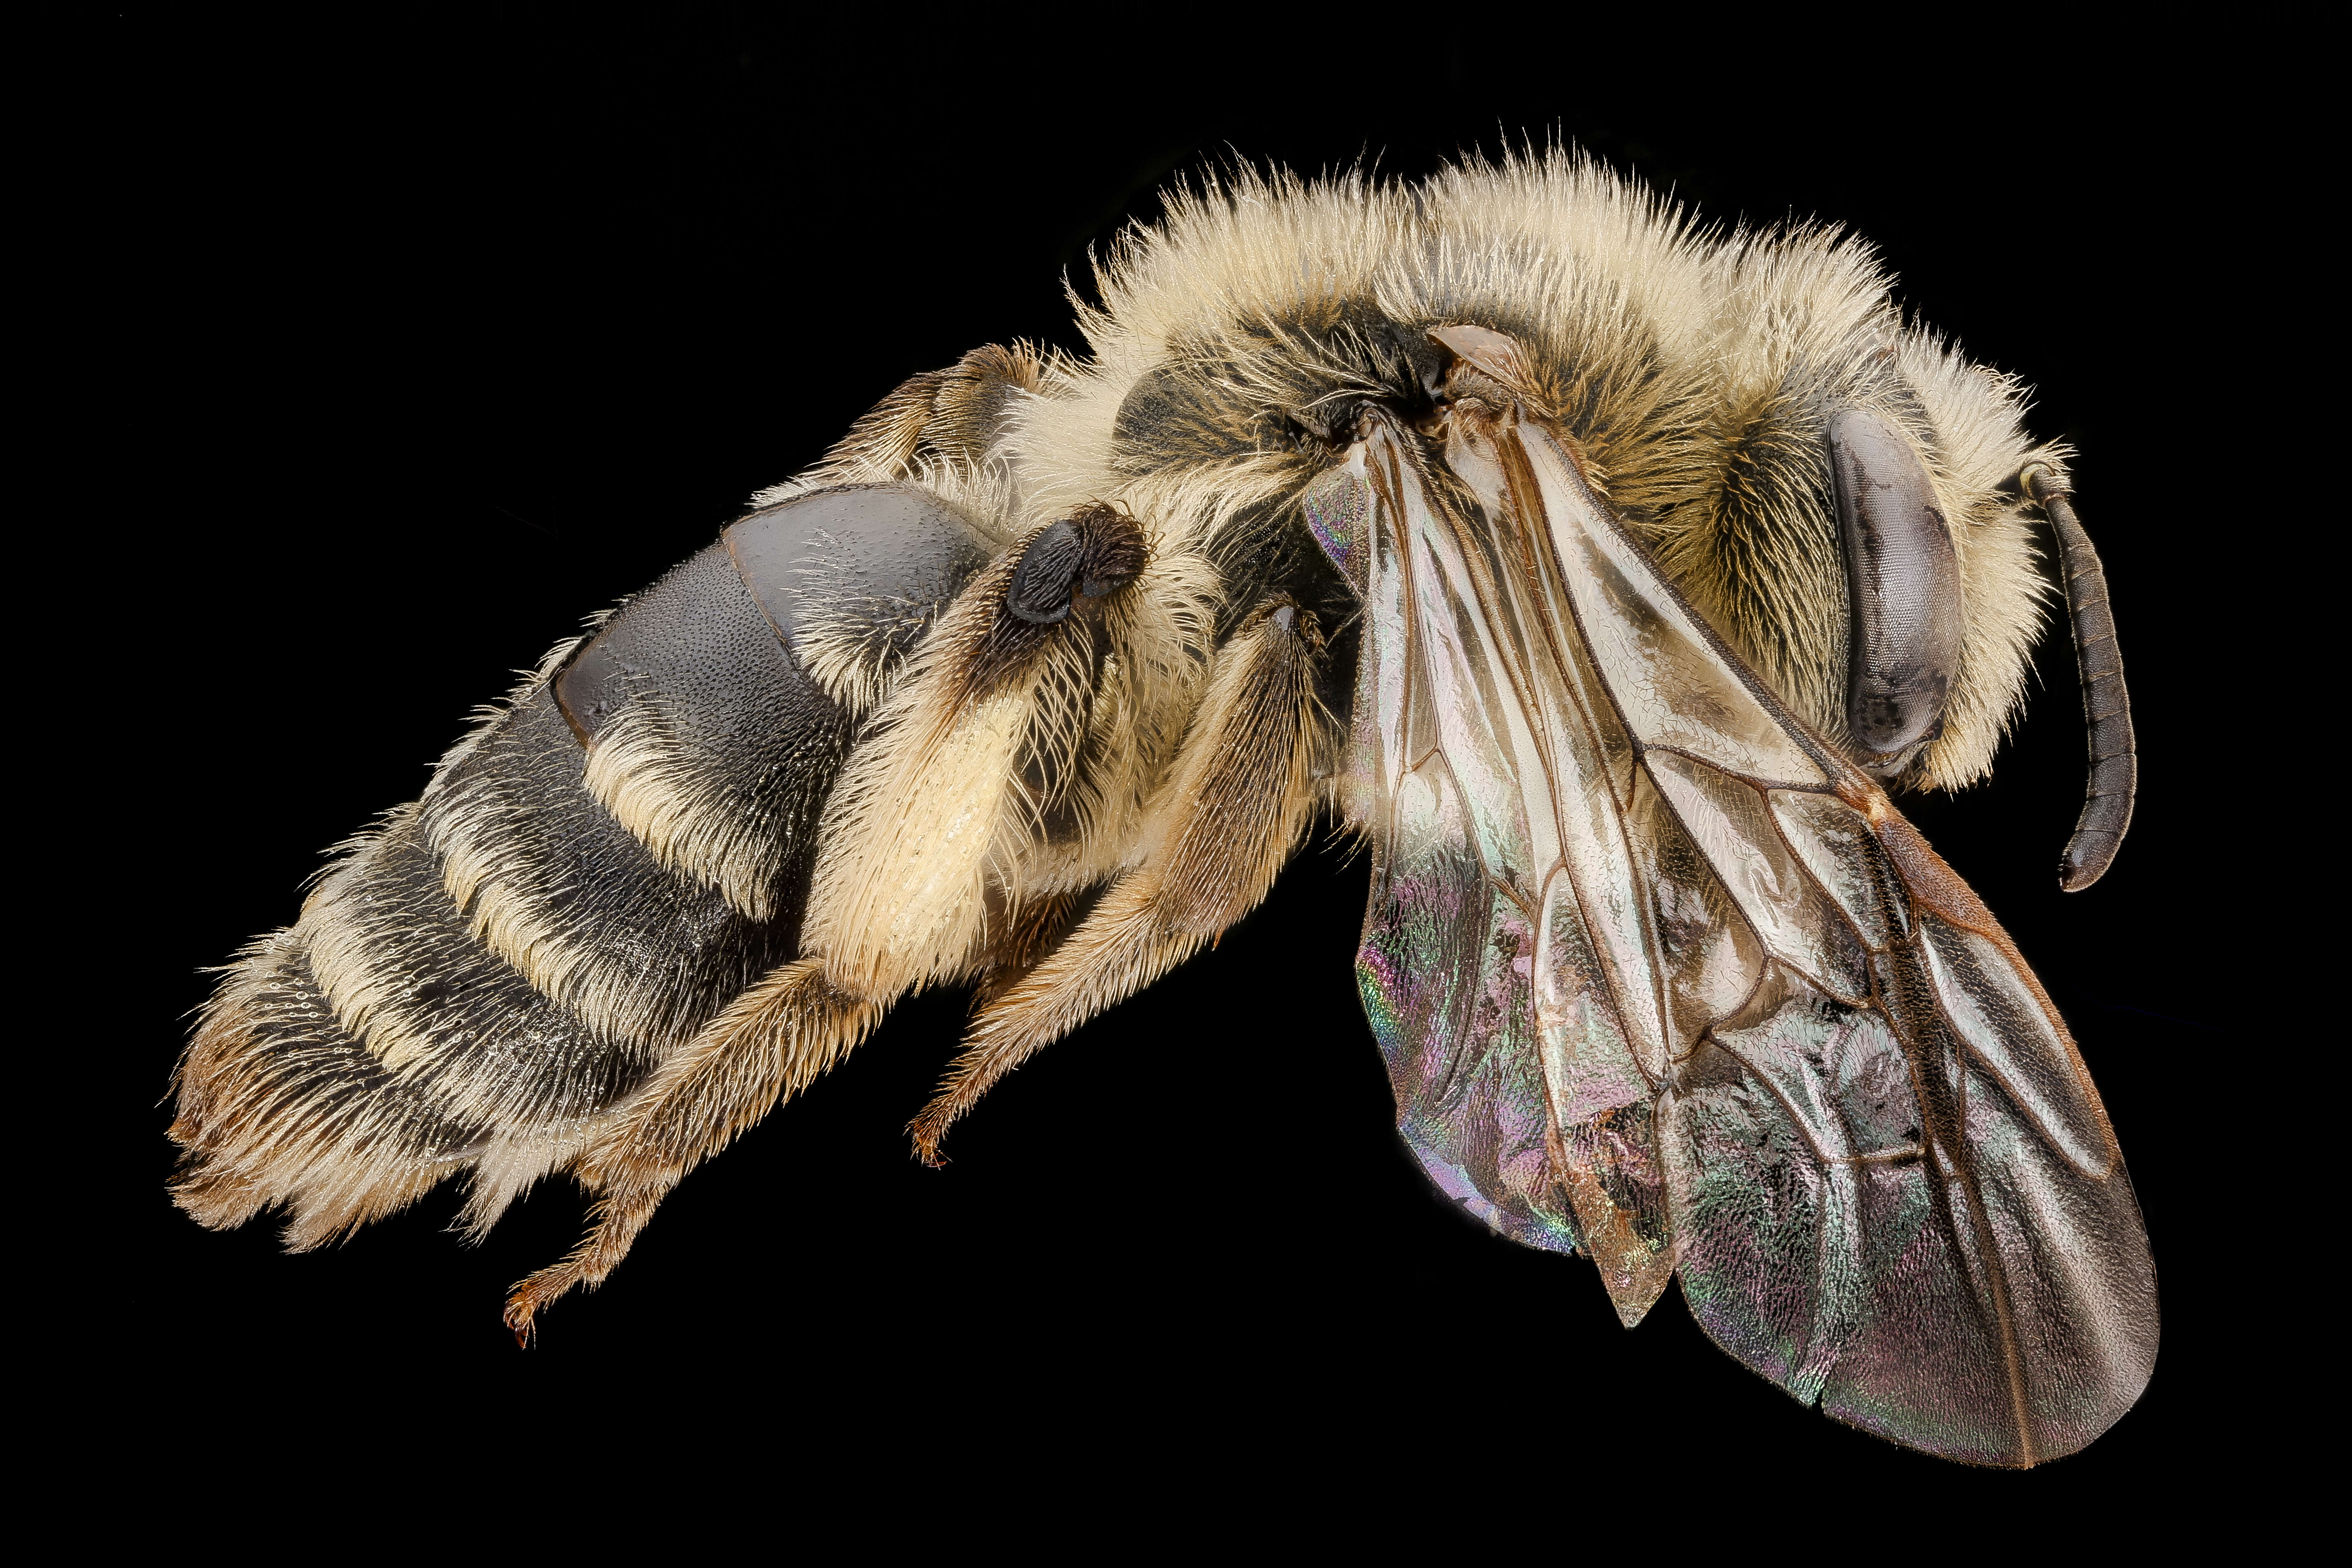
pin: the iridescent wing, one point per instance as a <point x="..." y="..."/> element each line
<point x="1660" y="975"/>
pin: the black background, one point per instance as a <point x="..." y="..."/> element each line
<point x="422" y="341"/>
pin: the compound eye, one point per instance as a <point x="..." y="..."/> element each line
<point x="1040" y="593"/>
<point x="1905" y="619"/>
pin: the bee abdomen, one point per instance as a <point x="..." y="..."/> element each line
<point x="387" y="1042"/>
<point x="555" y="885"/>
<point x="647" y="880"/>
<point x="399" y="962"/>
<point x="588" y="880"/>
<point x="278" y="1103"/>
<point x="705" y="738"/>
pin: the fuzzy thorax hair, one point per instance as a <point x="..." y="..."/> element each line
<point x="1695" y="368"/>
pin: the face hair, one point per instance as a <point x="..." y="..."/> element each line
<point x="1038" y="679"/>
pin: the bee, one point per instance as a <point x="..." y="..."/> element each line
<point x="1602" y="574"/>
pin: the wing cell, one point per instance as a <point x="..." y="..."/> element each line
<point x="1671" y="679"/>
<point x="1733" y="825"/>
<point x="2013" y="1037"/>
<point x="1845" y="860"/>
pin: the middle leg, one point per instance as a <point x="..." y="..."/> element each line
<point x="1240" y="796"/>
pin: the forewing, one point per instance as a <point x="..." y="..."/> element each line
<point x="1769" y="1037"/>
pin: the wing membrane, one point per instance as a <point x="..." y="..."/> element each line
<point x="1444" y="962"/>
<point x="1490" y="729"/>
<point x="1659" y="975"/>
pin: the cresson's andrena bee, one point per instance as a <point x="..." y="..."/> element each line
<point x="1602" y="573"/>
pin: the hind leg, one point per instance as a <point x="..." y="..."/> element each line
<point x="772" y="1041"/>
